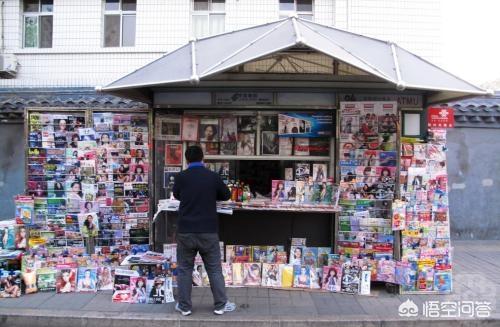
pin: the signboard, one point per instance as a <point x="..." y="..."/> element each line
<point x="244" y="98"/>
<point x="293" y="124"/>
<point x="403" y="100"/>
<point x="440" y="117"/>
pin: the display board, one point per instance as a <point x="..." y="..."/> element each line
<point x="88" y="173"/>
<point x="368" y="163"/>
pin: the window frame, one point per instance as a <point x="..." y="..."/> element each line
<point x="208" y="13"/>
<point x="120" y="13"/>
<point x="286" y="13"/>
<point x="37" y="14"/>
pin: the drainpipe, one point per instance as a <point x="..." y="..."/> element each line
<point x="2" y="44"/>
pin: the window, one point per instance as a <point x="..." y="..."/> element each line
<point x="208" y="17"/>
<point x="119" y="23"/>
<point x="412" y="124"/>
<point x="37" y="23"/>
<point x="303" y="8"/>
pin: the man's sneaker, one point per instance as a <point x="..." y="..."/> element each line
<point x="184" y="313"/>
<point x="230" y="306"/>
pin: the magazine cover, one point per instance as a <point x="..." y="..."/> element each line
<point x="406" y="275"/>
<point x="227" y="272"/>
<point x="209" y="130"/>
<point x="104" y="278"/>
<point x="173" y="154"/>
<point x="278" y="191"/>
<point x="138" y="290"/>
<point x="238" y="274"/>
<point x="320" y="172"/>
<point x="46" y="279"/>
<point x="247" y="123"/>
<point x="301" y="276"/>
<point x="156" y="290"/>
<point x="302" y="171"/>
<point x="386" y="271"/>
<point x="259" y="253"/>
<point x="199" y="274"/>
<point x="425" y="276"/>
<point x="87" y="279"/>
<point x="301" y="147"/>
<point x="252" y="275"/>
<point x="66" y="279"/>
<point x="323" y="253"/>
<point x="168" y="129"/>
<point x="442" y="281"/>
<point x="89" y="224"/>
<point x="230" y="253"/>
<point x="246" y="144"/>
<point x="296" y="253"/>
<point x="350" y="278"/>
<point x="29" y="280"/>
<point x="316" y="277"/>
<point x="271" y="276"/>
<point x="281" y="257"/>
<point x="332" y="277"/>
<point x="10" y="284"/>
<point x="310" y="256"/>
<point x="300" y="197"/>
<point x="190" y="128"/>
<point x="121" y="291"/>
<point x="285" y="146"/>
<point x="286" y="275"/>
<point x="289" y="174"/>
<point x="269" y="123"/>
<point x="228" y="148"/>
<point x="319" y="147"/>
<point x="229" y="129"/>
<point x="270" y="143"/>
<point x="290" y="191"/>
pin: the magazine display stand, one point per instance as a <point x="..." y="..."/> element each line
<point x="89" y="173"/>
<point x="426" y="247"/>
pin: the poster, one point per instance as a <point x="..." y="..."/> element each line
<point x="305" y="124"/>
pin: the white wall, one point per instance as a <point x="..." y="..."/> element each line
<point x="77" y="58"/>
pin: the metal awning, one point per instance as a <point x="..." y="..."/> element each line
<point x="200" y="60"/>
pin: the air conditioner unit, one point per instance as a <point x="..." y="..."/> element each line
<point x="8" y="66"/>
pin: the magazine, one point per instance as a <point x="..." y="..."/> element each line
<point x="190" y="128"/>
<point x="316" y="277"/>
<point x="319" y="147"/>
<point x="228" y="148"/>
<point x="270" y="143"/>
<point x="278" y="191"/>
<point x="286" y="272"/>
<point x="229" y="129"/>
<point x="66" y="279"/>
<point x="29" y="280"/>
<point x="46" y="279"/>
<point x="155" y="288"/>
<point x="290" y="191"/>
<point x="10" y="284"/>
<point x="87" y="279"/>
<point x="332" y="277"/>
<point x="301" y="146"/>
<point x="173" y="154"/>
<point x="238" y="274"/>
<point x="386" y="271"/>
<point x="247" y="123"/>
<point x="320" y="172"/>
<point x="285" y="146"/>
<point x="259" y="253"/>
<point x="296" y="253"/>
<point x="310" y="256"/>
<point x="443" y="281"/>
<point x="104" y="278"/>
<point x="301" y="276"/>
<point x="168" y="128"/>
<point x="246" y="144"/>
<point x="138" y="290"/>
<point x="406" y="275"/>
<point x="350" y="278"/>
<point x="425" y="275"/>
<point x="252" y="274"/>
<point x="209" y="130"/>
<point x="227" y="272"/>
<point x="121" y="291"/>
<point x="302" y="171"/>
<point x="271" y="276"/>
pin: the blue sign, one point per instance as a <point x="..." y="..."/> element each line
<point x="294" y="124"/>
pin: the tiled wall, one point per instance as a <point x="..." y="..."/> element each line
<point x="78" y="59"/>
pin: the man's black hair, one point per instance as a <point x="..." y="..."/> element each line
<point x="194" y="153"/>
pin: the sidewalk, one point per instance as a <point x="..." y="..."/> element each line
<point x="476" y="278"/>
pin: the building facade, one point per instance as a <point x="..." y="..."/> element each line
<point x="54" y="52"/>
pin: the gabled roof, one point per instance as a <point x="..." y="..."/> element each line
<point x="200" y="59"/>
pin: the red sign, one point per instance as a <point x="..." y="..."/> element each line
<point x="442" y="117"/>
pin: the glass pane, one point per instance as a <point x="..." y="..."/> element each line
<point x="200" y="25"/>
<point x="200" y="5"/>
<point x="112" y="5"/>
<point x="112" y="30"/>
<point x="30" y="32"/>
<point x="31" y="6"/>
<point x="129" y="5"/>
<point x="128" y="38"/>
<point x="45" y="31"/>
<point x="217" y="23"/>
<point x="218" y="5"/>
<point x="287" y="5"/>
<point x="307" y="17"/>
<point x="411" y="124"/>
<point x="47" y="5"/>
<point x="304" y="5"/>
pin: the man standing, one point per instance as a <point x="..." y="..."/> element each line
<point x="198" y="189"/>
